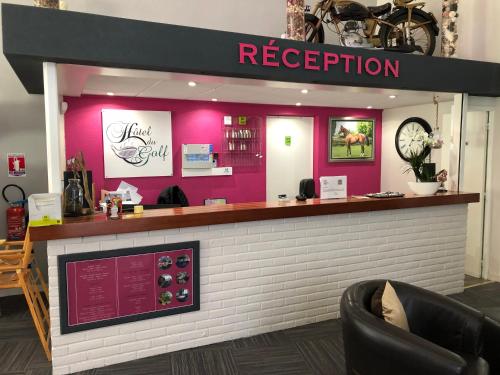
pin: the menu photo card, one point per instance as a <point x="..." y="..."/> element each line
<point x="333" y="187"/>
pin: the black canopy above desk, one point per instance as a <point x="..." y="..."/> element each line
<point x="34" y="35"/>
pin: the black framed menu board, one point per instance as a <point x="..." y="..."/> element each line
<point x="103" y="288"/>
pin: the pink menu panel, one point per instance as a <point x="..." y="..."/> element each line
<point x="122" y="286"/>
<point x="93" y="283"/>
<point x="136" y="287"/>
<point x="71" y="286"/>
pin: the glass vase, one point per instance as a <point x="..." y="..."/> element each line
<point x="295" y="20"/>
<point x="73" y="198"/>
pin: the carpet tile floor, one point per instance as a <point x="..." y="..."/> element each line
<point x="315" y="349"/>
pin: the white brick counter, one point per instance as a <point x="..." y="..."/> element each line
<point x="270" y="275"/>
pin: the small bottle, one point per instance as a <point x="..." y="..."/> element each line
<point x="117" y="201"/>
<point x="114" y="212"/>
<point x="108" y="205"/>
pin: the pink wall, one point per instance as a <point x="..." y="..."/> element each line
<point x="200" y="122"/>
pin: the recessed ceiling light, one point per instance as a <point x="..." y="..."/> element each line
<point x="191" y="83"/>
<point x="369" y="107"/>
<point x="298" y="104"/>
<point x="110" y="93"/>
<point x="392" y="97"/>
<point x="305" y="91"/>
<point x="348" y="118"/>
<point x="215" y="99"/>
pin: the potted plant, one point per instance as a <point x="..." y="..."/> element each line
<point x="427" y="181"/>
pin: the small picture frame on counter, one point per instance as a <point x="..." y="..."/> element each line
<point x="333" y="187"/>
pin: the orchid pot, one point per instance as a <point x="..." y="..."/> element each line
<point x="424" y="188"/>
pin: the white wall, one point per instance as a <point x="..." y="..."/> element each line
<point x="494" y="259"/>
<point x="474" y="165"/>
<point x="260" y="17"/>
<point x="392" y="165"/>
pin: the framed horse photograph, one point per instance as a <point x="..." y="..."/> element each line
<point x="351" y="140"/>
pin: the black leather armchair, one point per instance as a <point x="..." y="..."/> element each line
<point x="491" y="347"/>
<point x="446" y="336"/>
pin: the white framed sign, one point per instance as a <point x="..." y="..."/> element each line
<point x="137" y="143"/>
<point x="333" y="187"/>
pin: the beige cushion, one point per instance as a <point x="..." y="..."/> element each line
<point x="392" y="309"/>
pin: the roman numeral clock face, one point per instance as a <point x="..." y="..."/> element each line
<point x="409" y="137"/>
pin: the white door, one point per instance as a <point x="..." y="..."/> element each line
<point x="474" y="181"/>
<point x="289" y="154"/>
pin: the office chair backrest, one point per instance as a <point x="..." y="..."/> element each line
<point x="173" y="195"/>
<point x="307" y="188"/>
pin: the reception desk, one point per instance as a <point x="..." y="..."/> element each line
<point x="262" y="266"/>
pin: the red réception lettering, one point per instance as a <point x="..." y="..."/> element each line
<point x="311" y="57"/>
<point x="286" y="61"/>
<point x="378" y="66"/>
<point x="248" y="50"/>
<point x="393" y="67"/>
<point x="329" y="59"/>
<point x="269" y="52"/>
<point x="360" y="65"/>
<point x="271" y="55"/>
<point x="347" y="61"/>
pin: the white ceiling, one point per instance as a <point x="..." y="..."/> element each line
<point x="75" y="80"/>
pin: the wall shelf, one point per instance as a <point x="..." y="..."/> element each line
<point x="242" y="144"/>
<point x="200" y="172"/>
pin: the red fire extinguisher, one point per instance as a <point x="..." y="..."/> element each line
<point x="16" y="215"/>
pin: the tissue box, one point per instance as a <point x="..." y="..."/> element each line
<point x="44" y="210"/>
<point x="333" y="187"/>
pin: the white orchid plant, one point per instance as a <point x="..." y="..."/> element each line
<point x="431" y="140"/>
<point x="417" y="159"/>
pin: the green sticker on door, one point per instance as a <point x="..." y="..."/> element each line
<point x="288" y="140"/>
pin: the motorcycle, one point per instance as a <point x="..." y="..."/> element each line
<point x="403" y="28"/>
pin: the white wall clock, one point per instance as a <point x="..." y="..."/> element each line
<point x="408" y="137"/>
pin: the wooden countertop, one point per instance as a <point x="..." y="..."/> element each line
<point x="159" y="219"/>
